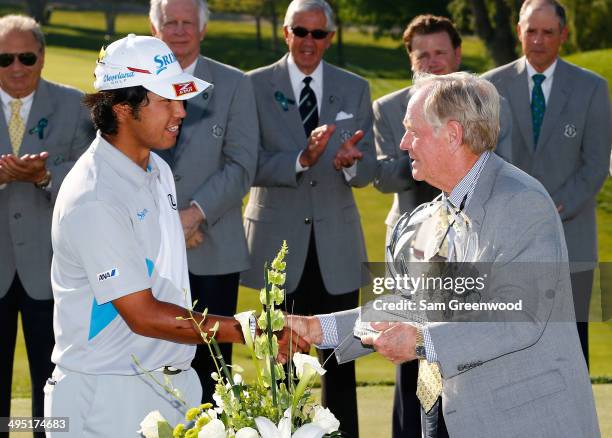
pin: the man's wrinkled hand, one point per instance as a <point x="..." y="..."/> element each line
<point x="29" y="168"/>
<point x="191" y="218"/>
<point x="396" y="341"/>
<point x="307" y="327"/>
<point x="317" y="142"/>
<point x="348" y="153"/>
<point x="290" y="342"/>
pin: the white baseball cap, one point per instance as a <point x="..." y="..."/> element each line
<point x="147" y="61"/>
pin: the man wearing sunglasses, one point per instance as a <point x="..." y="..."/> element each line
<point x="43" y="130"/>
<point x="315" y="123"/>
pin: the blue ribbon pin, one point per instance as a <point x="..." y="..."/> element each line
<point x="284" y="102"/>
<point x="40" y="128"/>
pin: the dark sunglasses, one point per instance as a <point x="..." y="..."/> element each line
<point x="27" y="58"/>
<point x="302" y="32"/>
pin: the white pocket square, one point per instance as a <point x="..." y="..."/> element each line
<point x="343" y="116"/>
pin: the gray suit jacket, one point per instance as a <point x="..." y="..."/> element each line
<point x="214" y="164"/>
<point x="512" y="379"/>
<point x="286" y="205"/>
<point x="573" y="152"/>
<point x="393" y="174"/>
<point x="25" y="211"/>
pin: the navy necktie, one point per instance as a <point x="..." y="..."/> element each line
<point x="538" y="106"/>
<point x="308" y="107"/>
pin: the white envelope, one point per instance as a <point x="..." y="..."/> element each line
<point x="343" y="116"/>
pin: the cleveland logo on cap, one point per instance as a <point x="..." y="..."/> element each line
<point x="184" y="88"/>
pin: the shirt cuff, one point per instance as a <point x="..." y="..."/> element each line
<point x="350" y="172"/>
<point x="430" y="351"/>
<point x="199" y="208"/>
<point x="298" y="167"/>
<point x="2" y="186"/>
<point x="330" y="331"/>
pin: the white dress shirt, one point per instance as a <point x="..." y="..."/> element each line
<point x="25" y="108"/>
<point x="546" y="84"/>
<point x="296" y="76"/>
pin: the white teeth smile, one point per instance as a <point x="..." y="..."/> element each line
<point x="173" y="128"/>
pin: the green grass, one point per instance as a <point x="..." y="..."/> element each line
<point x="74" y="40"/>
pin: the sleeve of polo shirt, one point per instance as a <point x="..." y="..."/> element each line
<point x="104" y="244"/>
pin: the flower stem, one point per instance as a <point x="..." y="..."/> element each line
<point x="269" y="333"/>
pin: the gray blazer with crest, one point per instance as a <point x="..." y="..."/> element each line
<point x="572" y="156"/>
<point x="214" y="164"/>
<point x="286" y="205"/>
<point x="25" y="211"/>
<point x="509" y="379"/>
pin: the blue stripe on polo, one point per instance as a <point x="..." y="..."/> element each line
<point x="101" y="316"/>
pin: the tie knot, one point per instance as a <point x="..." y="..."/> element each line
<point x="15" y="105"/>
<point x="307" y="80"/>
<point x="538" y="79"/>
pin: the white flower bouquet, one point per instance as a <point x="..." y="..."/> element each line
<point x="274" y="405"/>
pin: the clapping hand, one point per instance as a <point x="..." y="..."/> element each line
<point x="317" y="142"/>
<point x="29" y="168"/>
<point x="348" y="153"/>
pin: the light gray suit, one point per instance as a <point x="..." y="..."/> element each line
<point x="573" y="152"/>
<point x="214" y="164"/>
<point x="286" y="205"/>
<point x="515" y="378"/>
<point x="25" y="221"/>
<point x="393" y="174"/>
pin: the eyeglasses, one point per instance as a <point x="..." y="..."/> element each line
<point x="302" y="32"/>
<point x="27" y="58"/>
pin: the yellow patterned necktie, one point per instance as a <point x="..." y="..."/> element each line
<point x="429" y="381"/>
<point x="16" y="125"/>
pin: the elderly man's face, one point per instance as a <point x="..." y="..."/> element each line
<point x="541" y="36"/>
<point x="180" y="29"/>
<point x="429" y="151"/>
<point x="307" y="51"/>
<point x="20" y="80"/>
<point x="434" y="53"/>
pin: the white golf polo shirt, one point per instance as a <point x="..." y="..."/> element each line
<point x="115" y="231"/>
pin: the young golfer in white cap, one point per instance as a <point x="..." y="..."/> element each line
<point x="119" y="271"/>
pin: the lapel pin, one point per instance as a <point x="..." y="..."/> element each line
<point x="569" y="130"/>
<point x="40" y="128"/>
<point x="217" y="131"/>
<point x="283" y="101"/>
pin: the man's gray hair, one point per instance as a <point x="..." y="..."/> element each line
<point x="466" y="98"/>
<point x="22" y="23"/>
<point x="156" y="12"/>
<point x="557" y="7"/>
<point x="297" y="6"/>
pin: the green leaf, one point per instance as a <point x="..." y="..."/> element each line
<point x="164" y="430"/>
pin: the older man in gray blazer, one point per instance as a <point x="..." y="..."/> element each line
<point x="43" y="130"/>
<point x="508" y="375"/>
<point x="214" y="164"/>
<point x="434" y="46"/>
<point x="562" y="135"/>
<point x="303" y="186"/>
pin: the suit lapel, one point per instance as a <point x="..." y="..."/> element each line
<point x="518" y="96"/>
<point x="197" y="108"/>
<point x="5" y="146"/>
<point x="559" y="94"/>
<point x="291" y="117"/>
<point x="332" y="102"/>
<point x="42" y="109"/>
<point x="482" y="192"/>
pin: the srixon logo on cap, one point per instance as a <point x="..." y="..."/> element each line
<point x="184" y="88"/>
<point x="163" y="61"/>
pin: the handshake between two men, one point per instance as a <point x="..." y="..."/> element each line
<point x="396" y="341"/>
